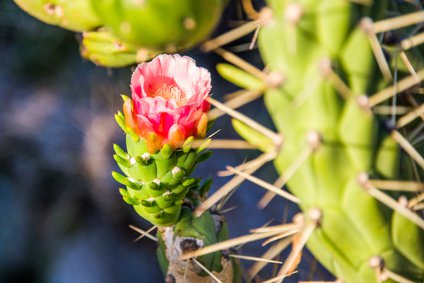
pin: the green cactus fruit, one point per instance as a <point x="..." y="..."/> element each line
<point x="105" y="49"/>
<point x="190" y="234"/>
<point x="76" y="15"/>
<point x="160" y="24"/>
<point x="156" y="184"/>
<point x="309" y="43"/>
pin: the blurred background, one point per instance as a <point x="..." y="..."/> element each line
<point x="61" y="216"/>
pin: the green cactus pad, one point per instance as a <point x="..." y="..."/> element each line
<point x="76" y="15"/>
<point x="160" y="24"/>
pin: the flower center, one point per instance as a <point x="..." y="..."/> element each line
<point x="171" y="91"/>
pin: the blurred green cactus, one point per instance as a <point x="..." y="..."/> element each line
<point x="161" y="24"/>
<point x="117" y="33"/>
<point x="321" y="53"/>
<point x="76" y="15"/>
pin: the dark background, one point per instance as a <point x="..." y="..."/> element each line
<point x="61" y="216"/>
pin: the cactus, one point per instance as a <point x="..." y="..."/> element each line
<point x="189" y="234"/>
<point x="76" y="15"/>
<point x="105" y="49"/>
<point x="161" y="120"/>
<point x="161" y="24"/>
<point x="118" y="33"/>
<point x="323" y="89"/>
<point x="322" y="59"/>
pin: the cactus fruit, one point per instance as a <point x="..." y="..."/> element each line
<point x="160" y="24"/>
<point x="76" y="15"/>
<point x="322" y="72"/>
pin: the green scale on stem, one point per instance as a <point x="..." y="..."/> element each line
<point x="157" y="185"/>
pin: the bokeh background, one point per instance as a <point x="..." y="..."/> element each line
<point x="61" y="216"/>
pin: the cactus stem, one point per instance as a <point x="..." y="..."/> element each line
<point x="293" y="258"/>
<point x="228" y="244"/>
<point x="242" y="64"/>
<point x="224" y="144"/>
<point x="411" y="116"/>
<point x="249" y="9"/>
<point x="392" y="185"/>
<point x="222" y="192"/>
<point x="328" y="73"/>
<point x="386" y="273"/>
<point x="368" y="28"/>
<point x="144" y="233"/>
<point x="241" y="99"/>
<point x="254" y="258"/>
<point x="230" y="36"/>
<point x="271" y="253"/>
<point x="306" y="93"/>
<point x="265" y="185"/>
<point x="262" y="159"/>
<point x="207" y="271"/>
<point x="409" y="149"/>
<point x="416" y="200"/>
<point x="392" y="90"/>
<point x="363" y="2"/>
<point x="369" y="188"/>
<point x="277" y="139"/>
<point x="408" y="65"/>
<point x="398" y="22"/>
<point x="282" y="180"/>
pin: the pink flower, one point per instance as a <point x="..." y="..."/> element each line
<point x="168" y="101"/>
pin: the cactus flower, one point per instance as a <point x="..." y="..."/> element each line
<point x="168" y="101"/>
